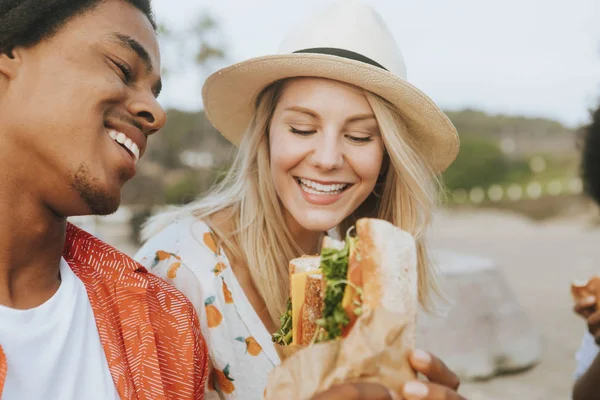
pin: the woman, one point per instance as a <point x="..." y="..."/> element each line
<point x="328" y="132"/>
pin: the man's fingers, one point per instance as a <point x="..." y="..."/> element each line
<point x="416" y="390"/>
<point x="356" y="391"/>
<point x="585" y="307"/>
<point x="585" y="312"/>
<point x="434" y="369"/>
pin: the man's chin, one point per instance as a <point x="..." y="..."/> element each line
<point x="99" y="198"/>
<point x="100" y="203"/>
<point x="105" y="208"/>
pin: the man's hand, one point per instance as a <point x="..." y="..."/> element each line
<point x="356" y="391"/>
<point x="443" y="383"/>
<point x="588" y="309"/>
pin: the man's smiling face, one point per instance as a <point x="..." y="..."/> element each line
<point x="79" y="106"/>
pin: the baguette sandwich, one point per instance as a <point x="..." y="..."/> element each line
<point x="328" y="292"/>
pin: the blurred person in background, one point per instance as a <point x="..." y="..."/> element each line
<point x="329" y="131"/>
<point x="587" y="373"/>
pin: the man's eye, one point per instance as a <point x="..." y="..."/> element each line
<point x="127" y="74"/>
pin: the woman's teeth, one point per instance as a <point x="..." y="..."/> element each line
<point x="318" y="188"/>
<point x="121" y="138"/>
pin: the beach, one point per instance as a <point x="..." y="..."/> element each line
<point x="539" y="260"/>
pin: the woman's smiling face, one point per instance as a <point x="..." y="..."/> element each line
<point x="326" y="151"/>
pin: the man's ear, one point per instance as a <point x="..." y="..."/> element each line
<point x="10" y="63"/>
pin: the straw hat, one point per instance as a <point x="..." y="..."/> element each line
<point x="348" y="42"/>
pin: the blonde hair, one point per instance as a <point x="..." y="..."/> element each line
<point x="405" y="195"/>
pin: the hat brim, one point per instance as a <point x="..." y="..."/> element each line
<point x="229" y="97"/>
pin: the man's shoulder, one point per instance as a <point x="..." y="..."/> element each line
<point x="136" y="309"/>
<point x="168" y="296"/>
<point x="99" y="264"/>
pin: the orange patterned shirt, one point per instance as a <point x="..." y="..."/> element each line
<point x="148" y="329"/>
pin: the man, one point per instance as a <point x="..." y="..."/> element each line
<point x="79" y="320"/>
<point x="587" y="385"/>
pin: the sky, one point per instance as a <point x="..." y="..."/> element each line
<point x="519" y="57"/>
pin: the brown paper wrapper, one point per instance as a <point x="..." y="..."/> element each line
<point x="374" y="351"/>
<point x="286" y="352"/>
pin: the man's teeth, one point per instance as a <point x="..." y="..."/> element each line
<point x="121" y="138"/>
<point x="318" y="188"/>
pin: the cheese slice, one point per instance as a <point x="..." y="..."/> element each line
<point x="349" y="293"/>
<point x="298" y="283"/>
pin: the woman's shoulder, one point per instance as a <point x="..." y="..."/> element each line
<point x="187" y="238"/>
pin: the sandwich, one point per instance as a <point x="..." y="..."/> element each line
<point x="375" y="266"/>
<point x="305" y="281"/>
<point x="581" y="290"/>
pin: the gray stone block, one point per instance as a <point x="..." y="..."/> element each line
<point x="484" y="331"/>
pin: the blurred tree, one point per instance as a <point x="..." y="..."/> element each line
<point x="474" y="121"/>
<point x="480" y="162"/>
<point x="183" y="190"/>
<point x="191" y="184"/>
<point x="197" y="46"/>
<point x="206" y="51"/>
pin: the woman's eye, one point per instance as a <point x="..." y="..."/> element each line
<point x="358" y="139"/>
<point x="299" y="132"/>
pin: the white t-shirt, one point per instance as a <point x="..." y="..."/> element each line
<point x="54" y="351"/>
<point x="585" y="355"/>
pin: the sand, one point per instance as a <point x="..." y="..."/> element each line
<point x="539" y="260"/>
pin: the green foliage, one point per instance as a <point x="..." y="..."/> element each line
<point x="284" y="335"/>
<point x="196" y="46"/>
<point x="184" y="190"/>
<point x="480" y="162"/>
<point x="487" y="125"/>
<point x="334" y="264"/>
<point x="186" y="131"/>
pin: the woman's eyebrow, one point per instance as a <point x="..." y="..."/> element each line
<point x="303" y="111"/>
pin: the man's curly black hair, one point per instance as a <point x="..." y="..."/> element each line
<point x="590" y="158"/>
<point x="27" y="22"/>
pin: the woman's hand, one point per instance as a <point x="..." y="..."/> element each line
<point x="442" y="385"/>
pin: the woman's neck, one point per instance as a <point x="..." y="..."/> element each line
<point x="308" y="241"/>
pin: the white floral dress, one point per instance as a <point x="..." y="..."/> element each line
<point x="239" y="346"/>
